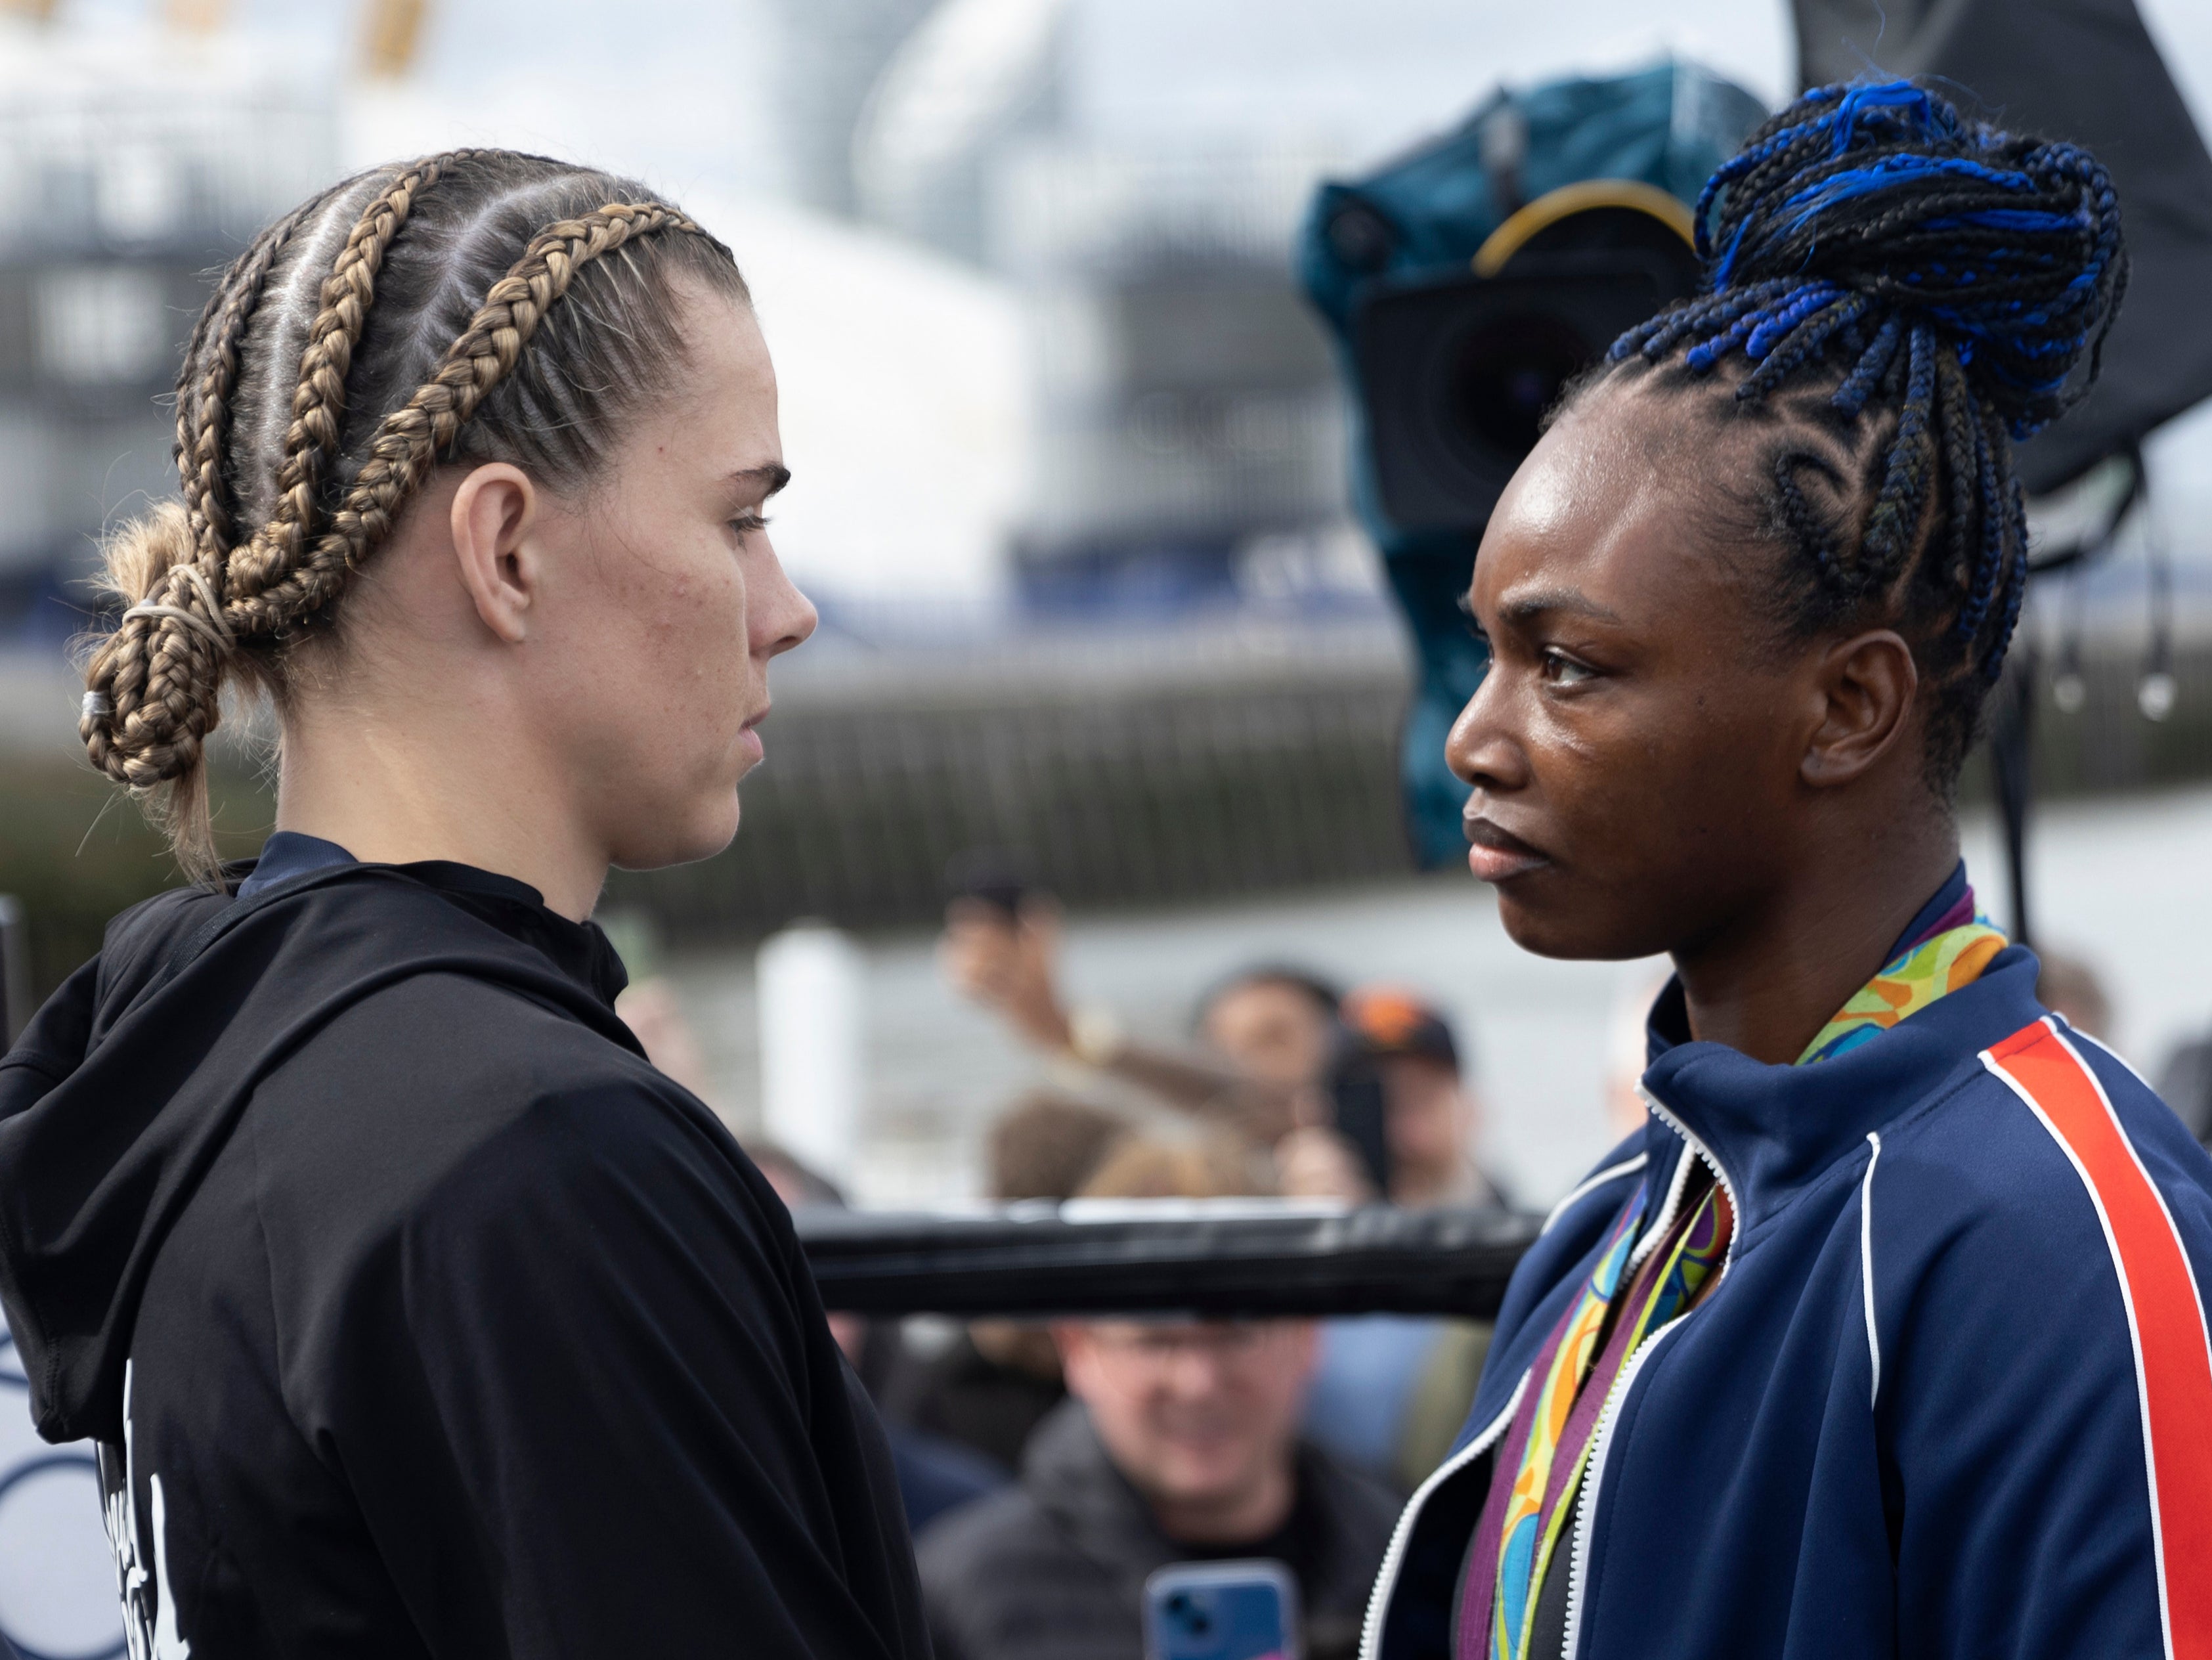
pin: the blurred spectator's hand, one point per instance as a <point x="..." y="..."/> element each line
<point x="1010" y="964"/>
<point x="1316" y="1163"/>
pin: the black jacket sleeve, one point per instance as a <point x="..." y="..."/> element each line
<point x="604" y="1414"/>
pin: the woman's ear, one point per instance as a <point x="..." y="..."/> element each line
<point x="1868" y="686"/>
<point x="493" y="514"/>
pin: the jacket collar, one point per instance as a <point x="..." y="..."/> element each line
<point x="1775" y="1130"/>
<point x="290" y="863"/>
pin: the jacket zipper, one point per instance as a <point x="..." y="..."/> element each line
<point x="1386" y="1578"/>
<point x="1609" y="1414"/>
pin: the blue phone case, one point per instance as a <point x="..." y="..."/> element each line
<point x="1246" y="1610"/>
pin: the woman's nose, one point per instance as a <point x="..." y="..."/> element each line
<point x="787" y="617"/>
<point x="1480" y="749"/>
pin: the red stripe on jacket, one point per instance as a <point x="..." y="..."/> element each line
<point x="2165" y="1317"/>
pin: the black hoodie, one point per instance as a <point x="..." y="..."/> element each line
<point x="414" y="1312"/>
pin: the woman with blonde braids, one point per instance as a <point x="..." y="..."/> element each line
<point x="413" y="1311"/>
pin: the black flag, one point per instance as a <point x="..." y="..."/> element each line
<point x="2085" y="71"/>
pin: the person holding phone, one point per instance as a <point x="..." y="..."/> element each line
<point x="1389" y="1390"/>
<point x="1181" y="1444"/>
<point x="1885" y="1334"/>
<point x="414" y="1311"/>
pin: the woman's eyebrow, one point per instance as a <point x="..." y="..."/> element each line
<point x="1523" y="608"/>
<point x="775" y="476"/>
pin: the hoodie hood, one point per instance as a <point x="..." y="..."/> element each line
<point x="134" y="1076"/>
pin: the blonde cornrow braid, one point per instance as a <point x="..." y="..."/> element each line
<point x="410" y="439"/>
<point x="154" y="689"/>
<point x="155" y="644"/>
<point x="204" y="398"/>
<point x="311" y="443"/>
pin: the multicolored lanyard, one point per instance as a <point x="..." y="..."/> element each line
<point x="1549" y="1442"/>
<point x="1578" y="1377"/>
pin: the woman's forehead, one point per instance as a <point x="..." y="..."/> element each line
<point x="1614" y="508"/>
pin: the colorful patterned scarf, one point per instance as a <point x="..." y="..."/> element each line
<point x="1953" y="953"/>
<point x="1549" y="1442"/>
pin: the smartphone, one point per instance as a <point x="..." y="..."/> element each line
<point x="1361" y="1116"/>
<point x="1243" y="1610"/>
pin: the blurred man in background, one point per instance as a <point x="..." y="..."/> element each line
<point x="1430" y="1114"/>
<point x="1181" y="1444"/>
<point x="1390" y="1391"/>
<point x="1268" y="1030"/>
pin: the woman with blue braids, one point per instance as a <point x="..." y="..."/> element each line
<point x="1886" y="1335"/>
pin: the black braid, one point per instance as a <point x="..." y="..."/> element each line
<point x="1953" y="284"/>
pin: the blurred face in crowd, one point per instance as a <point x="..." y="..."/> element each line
<point x="1200" y="1418"/>
<point x="1429" y="1117"/>
<point x="1271" y="1032"/>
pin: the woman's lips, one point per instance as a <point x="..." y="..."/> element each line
<point x="748" y="740"/>
<point x="1497" y="855"/>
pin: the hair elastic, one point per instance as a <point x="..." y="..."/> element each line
<point x="212" y="624"/>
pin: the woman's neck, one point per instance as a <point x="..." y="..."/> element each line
<point x="1768" y="982"/>
<point x="415" y="787"/>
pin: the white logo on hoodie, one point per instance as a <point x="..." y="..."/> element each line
<point x="149" y="1611"/>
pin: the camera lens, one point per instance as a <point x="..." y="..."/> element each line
<point x="1504" y="374"/>
<point x="1190" y="1612"/>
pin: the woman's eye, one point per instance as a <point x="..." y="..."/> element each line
<point x="1561" y="670"/>
<point x="746" y="523"/>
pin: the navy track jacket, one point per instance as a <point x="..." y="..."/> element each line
<point x="1951" y="1396"/>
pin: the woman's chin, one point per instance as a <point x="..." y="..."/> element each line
<point x="680" y="838"/>
<point x="1565" y="933"/>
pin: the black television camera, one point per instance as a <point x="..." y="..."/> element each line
<point x="1456" y="372"/>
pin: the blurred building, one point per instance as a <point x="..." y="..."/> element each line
<point x="130" y="165"/>
<point x="829" y="55"/>
<point x="1188" y="425"/>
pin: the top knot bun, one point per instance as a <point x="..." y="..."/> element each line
<point x="1870" y="240"/>
<point x="2008" y="247"/>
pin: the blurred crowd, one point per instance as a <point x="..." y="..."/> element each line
<point x="1047" y="1468"/>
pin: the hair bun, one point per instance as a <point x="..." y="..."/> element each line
<point x="2008" y="247"/>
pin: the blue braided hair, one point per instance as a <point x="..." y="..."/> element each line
<point x="1945" y="289"/>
